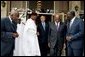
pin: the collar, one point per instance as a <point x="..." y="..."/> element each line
<point x="73" y="19"/>
<point x="42" y="22"/>
<point x="32" y="19"/>
<point x="56" y="22"/>
<point x="10" y="19"/>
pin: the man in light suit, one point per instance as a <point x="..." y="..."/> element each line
<point x="74" y="36"/>
<point x="57" y="31"/>
<point x="8" y="33"/>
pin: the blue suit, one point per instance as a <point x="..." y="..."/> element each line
<point x="75" y="46"/>
<point x="7" y="40"/>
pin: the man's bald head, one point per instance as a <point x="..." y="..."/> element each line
<point x="70" y="15"/>
<point x="14" y="11"/>
<point x="14" y="14"/>
<point x="57" y="17"/>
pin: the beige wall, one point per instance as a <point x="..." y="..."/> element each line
<point x="18" y="4"/>
<point x="72" y="5"/>
<point x="4" y="11"/>
<point x="59" y="6"/>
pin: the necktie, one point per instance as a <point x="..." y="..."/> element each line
<point x="44" y="25"/>
<point x="57" y="26"/>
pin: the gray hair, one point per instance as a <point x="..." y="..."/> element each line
<point x="14" y="11"/>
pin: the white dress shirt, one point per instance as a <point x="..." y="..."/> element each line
<point x="43" y="24"/>
<point x="72" y="20"/>
<point x="57" y="24"/>
<point x="10" y="19"/>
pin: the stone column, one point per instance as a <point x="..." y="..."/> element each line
<point x="3" y="9"/>
<point x="56" y="6"/>
<point x="8" y="7"/>
<point x="72" y="5"/>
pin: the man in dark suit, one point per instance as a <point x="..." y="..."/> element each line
<point x="57" y="32"/>
<point x="74" y="36"/>
<point x="43" y="36"/>
<point x="8" y="33"/>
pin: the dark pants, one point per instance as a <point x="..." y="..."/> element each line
<point x="43" y="49"/>
<point x="7" y="51"/>
<point x="74" y="52"/>
<point x="56" y="51"/>
<point x="8" y="54"/>
<point x="53" y="52"/>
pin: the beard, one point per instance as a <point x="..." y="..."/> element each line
<point x="15" y="21"/>
<point x="68" y="18"/>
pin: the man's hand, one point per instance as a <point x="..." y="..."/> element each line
<point x="64" y="46"/>
<point x="68" y="38"/>
<point x="49" y="45"/>
<point x="38" y="33"/>
<point x="15" y="35"/>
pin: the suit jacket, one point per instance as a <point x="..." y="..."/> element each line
<point x="77" y="31"/>
<point x="43" y="37"/>
<point x="7" y="41"/>
<point x="56" y="37"/>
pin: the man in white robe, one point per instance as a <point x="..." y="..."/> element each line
<point x="18" y="40"/>
<point x="30" y="45"/>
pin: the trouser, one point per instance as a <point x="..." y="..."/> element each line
<point x="55" y="51"/>
<point x="43" y="49"/>
<point x="74" y="52"/>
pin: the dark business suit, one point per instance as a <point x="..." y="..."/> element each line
<point x="56" y="38"/>
<point x="43" y="38"/>
<point x="75" y="46"/>
<point x="7" y="41"/>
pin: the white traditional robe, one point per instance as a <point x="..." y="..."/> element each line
<point x="30" y="45"/>
<point x="27" y="42"/>
<point x="18" y="40"/>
